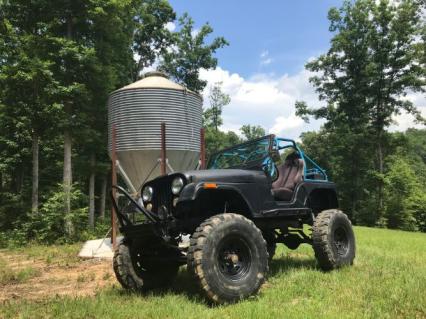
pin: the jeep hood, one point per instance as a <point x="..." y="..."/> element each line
<point x="225" y="175"/>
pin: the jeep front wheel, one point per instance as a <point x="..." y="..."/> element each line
<point x="229" y="257"/>
<point x="136" y="273"/>
<point x="333" y="239"/>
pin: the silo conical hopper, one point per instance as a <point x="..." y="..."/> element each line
<point x="137" y="111"/>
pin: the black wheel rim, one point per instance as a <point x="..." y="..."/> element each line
<point x="233" y="258"/>
<point x="341" y="241"/>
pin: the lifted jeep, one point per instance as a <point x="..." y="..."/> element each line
<point x="234" y="213"/>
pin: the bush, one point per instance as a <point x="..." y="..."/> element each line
<point x="48" y="226"/>
<point x="417" y="208"/>
<point x="403" y="196"/>
<point x="11" y="208"/>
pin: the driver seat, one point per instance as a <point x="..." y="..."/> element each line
<point x="290" y="173"/>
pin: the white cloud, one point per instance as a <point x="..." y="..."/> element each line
<point x="404" y="120"/>
<point x="268" y="100"/>
<point x="265" y="59"/>
<point x="263" y="100"/>
<point x="195" y="32"/>
<point x="282" y="123"/>
<point x="170" y="26"/>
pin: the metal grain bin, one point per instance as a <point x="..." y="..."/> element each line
<point x="138" y="109"/>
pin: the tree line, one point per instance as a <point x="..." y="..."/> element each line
<point x="377" y="56"/>
<point x="59" y="60"/>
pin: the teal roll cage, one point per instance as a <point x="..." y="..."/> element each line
<point x="272" y="143"/>
<point x="315" y="170"/>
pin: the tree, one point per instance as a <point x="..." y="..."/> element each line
<point x="403" y="193"/>
<point x="111" y="37"/>
<point x="27" y="80"/>
<point x="251" y="132"/>
<point x="93" y="39"/>
<point x="151" y="38"/>
<point x="189" y="53"/>
<point x="217" y="140"/>
<point x="374" y="60"/>
<point x="212" y="117"/>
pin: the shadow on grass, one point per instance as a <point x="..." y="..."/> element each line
<point x="285" y="264"/>
<point x="187" y="286"/>
<point x="183" y="285"/>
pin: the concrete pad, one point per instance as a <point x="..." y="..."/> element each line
<point x="98" y="248"/>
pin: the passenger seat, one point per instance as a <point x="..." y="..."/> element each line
<point x="290" y="173"/>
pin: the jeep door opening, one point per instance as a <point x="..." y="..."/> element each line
<point x="251" y="197"/>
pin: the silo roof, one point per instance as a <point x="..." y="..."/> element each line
<point x="155" y="80"/>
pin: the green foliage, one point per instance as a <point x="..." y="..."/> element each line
<point x="190" y="53"/>
<point x="151" y="39"/>
<point x="403" y="178"/>
<point x="416" y="209"/>
<point x="401" y="187"/>
<point x="48" y="225"/>
<point x="59" y="60"/>
<point x="58" y="65"/>
<point x="217" y="140"/>
<point x="212" y="117"/>
<point x="251" y="132"/>
<point x="11" y="206"/>
<point x="376" y="57"/>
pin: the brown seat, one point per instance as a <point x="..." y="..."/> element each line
<point x="290" y="173"/>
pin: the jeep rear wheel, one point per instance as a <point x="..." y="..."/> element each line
<point x="135" y="273"/>
<point x="229" y="257"/>
<point x="333" y="239"/>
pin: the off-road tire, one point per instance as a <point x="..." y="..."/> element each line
<point x="137" y="276"/>
<point x="231" y="235"/>
<point x="333" y="239"/>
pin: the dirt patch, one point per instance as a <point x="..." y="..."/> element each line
<point x="82" y="278"/>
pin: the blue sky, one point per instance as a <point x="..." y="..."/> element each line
<point x="263" y="67"/>
<point x="289" y="31"/>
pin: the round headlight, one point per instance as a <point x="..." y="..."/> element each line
<point x="147" y="193"/>
<point x="177" y="185"/>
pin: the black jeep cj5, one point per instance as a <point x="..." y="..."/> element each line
<point x="233" y="213"/>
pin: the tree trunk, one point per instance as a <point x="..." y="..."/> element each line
<point x="69" y="227"/>
<point x="381" y="171"/>
<point x="103" y="196"/>
<point x="67" y="181"/>
<point x="19" y="179"/>
<point x="92" y="192"/>
<point x="34" y="197"/>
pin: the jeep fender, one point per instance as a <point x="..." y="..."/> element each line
<point x="235" y="195"/>
<point x="319" y="196"/>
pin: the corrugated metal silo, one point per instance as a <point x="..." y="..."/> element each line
<point x="138" y="109"/>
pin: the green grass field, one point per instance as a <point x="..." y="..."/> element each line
<point x="388" y="280"/>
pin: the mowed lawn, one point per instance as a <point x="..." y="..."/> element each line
<point x="388" y="280"/>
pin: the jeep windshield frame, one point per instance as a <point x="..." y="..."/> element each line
<point x="246" y="155"/>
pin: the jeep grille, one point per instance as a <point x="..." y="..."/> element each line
<point x="162" y="195"/>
